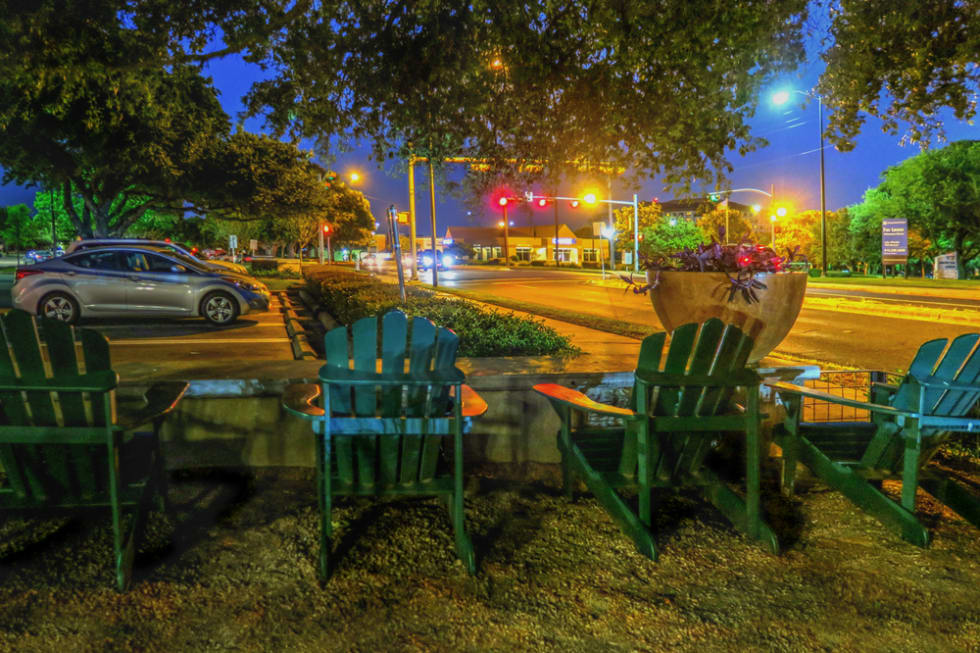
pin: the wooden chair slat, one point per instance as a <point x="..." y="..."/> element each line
<point x="74" y="461"/>
<point x="956" y="403"/>
<point x="421" y="351"/>
<point x="669" y="448"/>
<point x="392" y="445"/>
<point x="901" y="444"/>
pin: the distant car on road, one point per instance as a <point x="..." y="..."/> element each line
<point x="160" y="244"/>
<point x="38" y="255"/>
<point x="131" y="282"/>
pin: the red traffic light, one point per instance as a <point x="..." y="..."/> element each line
<point x="327" y="229"/>
<point x="541" y="202"/>
<point x="503" y="201"/>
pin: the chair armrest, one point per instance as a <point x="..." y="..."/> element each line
<point x="473" y="403"/>
<point x="559" y="394"/>
<point x="332" y="374"/>
<point x="300" y="400"/>
<point x="101" y="381"/>
<point x="789" y="388"/>
<point x="161" y="398"/>
<point x="738" y="378"/>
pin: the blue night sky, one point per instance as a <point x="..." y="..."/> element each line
<point x="790" y="162"/>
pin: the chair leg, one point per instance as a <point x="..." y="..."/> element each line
<point x="324" y="499"/>
<point x="866" y="497"/>
<point x="464" y="547"/>
<point x="736" y="510"/>
<point x="787" y="481"/>
<point x="564" y="442"/>
<point x="614" y="505"/>
<point x="955" y="496"/>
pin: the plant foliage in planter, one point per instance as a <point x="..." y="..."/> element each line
<point x="739" y="262"/>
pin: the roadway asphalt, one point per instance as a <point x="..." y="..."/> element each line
<point x="854" y="339"/>
<point x="883" y="334"/>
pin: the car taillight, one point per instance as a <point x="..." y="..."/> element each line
<point x="25" y="272"/>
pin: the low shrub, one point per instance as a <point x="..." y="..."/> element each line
<point x="350" y="296"/>
<point x="538" y="263"/>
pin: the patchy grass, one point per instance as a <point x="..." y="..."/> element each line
<point x="234" y="569"/>
<point x="911" y="282"/>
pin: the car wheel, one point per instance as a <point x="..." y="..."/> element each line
<point x="58" y="306"/>
<point x="219" y="308"/>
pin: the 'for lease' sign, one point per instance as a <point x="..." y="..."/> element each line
<point x="894" y="241"/>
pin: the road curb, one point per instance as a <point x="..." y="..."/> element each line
<point x="298" y="339"/>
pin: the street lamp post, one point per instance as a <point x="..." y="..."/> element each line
<point x="772" y="235"/>
<point x="504" y="201"/>
<point x="781" y="97"/>
<point x="590" y="198"/>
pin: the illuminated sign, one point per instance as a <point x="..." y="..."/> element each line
<point x="564" y="241"/>
<point x="447" y="241"/>
<point x="894" y="241"/>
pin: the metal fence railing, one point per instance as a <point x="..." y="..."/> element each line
<point x="850" y="384"/>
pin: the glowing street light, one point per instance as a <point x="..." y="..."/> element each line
<point x="781" y="212"/>
<point x="782" y="97"/>
<point x="355" y="177"/>
<point x="756" y="208"/>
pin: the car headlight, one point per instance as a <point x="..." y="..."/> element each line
<point x="427" y="260"/>
<point x="447" y="260"/>
<point x="241" y="283"/>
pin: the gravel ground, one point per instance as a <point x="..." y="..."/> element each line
<point x="232" y="568"/>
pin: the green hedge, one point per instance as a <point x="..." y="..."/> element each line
<point x="349" y="296"/>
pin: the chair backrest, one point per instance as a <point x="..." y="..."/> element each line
<point x="958" y="363"/>
<point x="701" y="364"/>
<point x="389" y="436"/>
<point x="424" y="348"/>
<point x="711" y="352"/>
<point x="56" y="415"/>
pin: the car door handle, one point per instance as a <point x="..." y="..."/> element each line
<point x="70" y="273"/>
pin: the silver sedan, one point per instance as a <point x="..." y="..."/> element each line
<point x="131" y="282"/>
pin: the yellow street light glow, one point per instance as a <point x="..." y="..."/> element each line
<point x="355" y="177"/>
<point x="773" y="218"/>
<point x="781" y="211"/>
<point x="756" y="208"/>
<point x="589" y="198"/>
<point x="780" y="97"/>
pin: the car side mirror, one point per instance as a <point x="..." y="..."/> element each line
<point x="179" y="269"/>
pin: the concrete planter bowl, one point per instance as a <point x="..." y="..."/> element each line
<point x="683" y="297"/>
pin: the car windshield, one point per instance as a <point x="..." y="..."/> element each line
<point x="189" y="261"/>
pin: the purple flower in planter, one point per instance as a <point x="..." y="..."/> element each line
<point x="740" y="262"/>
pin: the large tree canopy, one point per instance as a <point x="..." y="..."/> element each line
<point x="662" y="87"/>
<point x="658" y="87"/>
<point x="901" y="62"/>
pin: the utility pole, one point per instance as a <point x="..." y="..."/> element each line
<point x="557" y="258"/>
<point x="432" y="209"/>
<point x="411" y="214"/>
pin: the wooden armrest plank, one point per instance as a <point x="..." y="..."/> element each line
<point x="789" y="388"/>
<point x="300" y="400"/>
<point x="579" y="401"/>
<point x="473" y="403"/>
<point x="161" y="398"/>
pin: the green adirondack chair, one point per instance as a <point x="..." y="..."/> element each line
<point x="62" y="447"/>
<point x="393" y="431"/>
<point x="679" y="406"/>
<point x="909" y="422"/>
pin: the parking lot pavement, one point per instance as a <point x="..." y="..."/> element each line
<point x="253" y="337"/>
